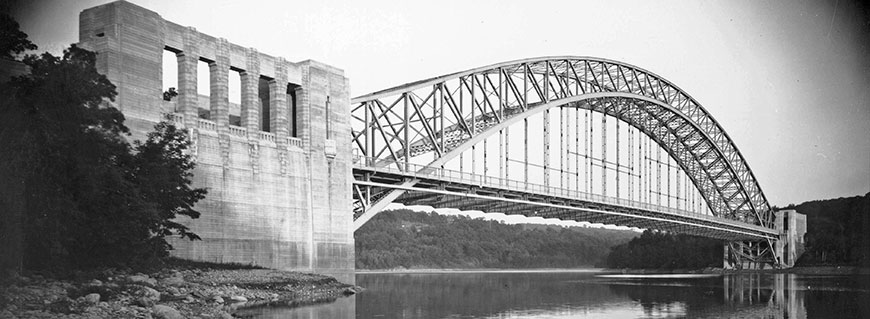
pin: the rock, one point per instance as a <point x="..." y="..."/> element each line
<point x="92" y="299"/>
<point x="172" y="281"/>
<point x="235" y="299"/>
<point x="95" y="283"/>
<point x="142" y="280"/>
<point x="188" y="299"/>
<point x="173" y="291"/>
<point x="165" y="312"/>
<point x="225" y="315"/>
<point x="217" y="299"/>
<point x="147" y="297"/>
<point x="143" y="302"/>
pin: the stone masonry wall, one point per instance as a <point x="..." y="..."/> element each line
<point x="274" y="200"/>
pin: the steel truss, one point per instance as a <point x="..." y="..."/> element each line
<point x="447" y="115"/>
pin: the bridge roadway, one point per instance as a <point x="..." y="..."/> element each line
<point x="444" y="188"/>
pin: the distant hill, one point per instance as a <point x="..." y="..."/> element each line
<point x="408" y="239"/>
<point x="838" y="231"/>
<point x="660" y="250"/>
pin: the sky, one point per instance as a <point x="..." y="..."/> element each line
<point x="787" y="80"/>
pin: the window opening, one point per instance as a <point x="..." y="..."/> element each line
<point x="263" y="93"/>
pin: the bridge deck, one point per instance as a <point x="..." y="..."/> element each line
<point x="442" y="188"/>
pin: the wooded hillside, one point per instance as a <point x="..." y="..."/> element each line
<point x="407" y="239"/>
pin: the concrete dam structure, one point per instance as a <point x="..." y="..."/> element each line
<point x="277" y="167"/>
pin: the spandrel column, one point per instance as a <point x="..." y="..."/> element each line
<point x="251" y="107"/>
<point x="279" y="110"/>
<point x="219" y="99"/>
<point x="250" y="94"/>
<point x="187" y="90"/>
<point x="278" y="102"/>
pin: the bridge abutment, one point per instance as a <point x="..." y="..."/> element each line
<point x="791" y="226"/>
<point x="278" y="181"/>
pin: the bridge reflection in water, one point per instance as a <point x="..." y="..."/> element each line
<point x="584" y="294"/>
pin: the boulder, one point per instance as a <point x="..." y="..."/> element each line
<point x="147" y="297"/>
<point x="92" y="299"/>
<point x="235" y="299"/>
<point x="217" y="299"/>
<point x="142" y="280"/>
<point x="172" y="281"/>
<point x="165" y="312"/>
<point x="173" y="291"/>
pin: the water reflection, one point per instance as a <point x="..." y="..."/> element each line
<point x="577" y="294"/>
<point x="340" y="308"/>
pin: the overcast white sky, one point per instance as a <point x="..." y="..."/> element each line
<point x="788" y="80"/>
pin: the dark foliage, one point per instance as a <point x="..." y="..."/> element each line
<point x="89" y="197"/>
<point x="170" y="94"/>
<point x="659" y="250"/>
<point x="12" y="40"/>
<point x="408" y="239"/>
<point x="838" y="231"/>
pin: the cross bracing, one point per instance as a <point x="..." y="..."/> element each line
<point x="420" y="127"/>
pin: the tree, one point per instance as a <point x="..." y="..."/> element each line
<point x="89" y="197"/>
<point x="163" y="171"/>
<point x="170" y="94"/>
<point x="12" y="40"/>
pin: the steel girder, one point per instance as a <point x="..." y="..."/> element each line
<point x="469" y="194"/>
<point x="448" y="114"/>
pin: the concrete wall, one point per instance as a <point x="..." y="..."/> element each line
<point x="274" y="200"/>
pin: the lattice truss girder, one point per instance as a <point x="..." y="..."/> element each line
<point x="448" y="194"/>
<point x="445" y="115"/>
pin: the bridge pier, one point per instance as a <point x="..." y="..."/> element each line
<point x="278" y="176"/>
<point x="791" y="226"/>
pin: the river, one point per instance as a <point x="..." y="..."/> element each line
<point x="573" y="294"/>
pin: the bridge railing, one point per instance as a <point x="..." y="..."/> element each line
<point x="423" y="171"/>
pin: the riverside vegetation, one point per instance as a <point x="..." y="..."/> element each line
<point x="403" y="239"/>
<point x="838" y="234"/>
<point x="85" y="213"/>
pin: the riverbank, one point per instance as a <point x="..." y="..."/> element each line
<point x="176" y="291"/>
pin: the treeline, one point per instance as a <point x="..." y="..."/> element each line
<point x="659" y="250"/>
<point x="838" y="231"/>
<point x="407" y="239"/>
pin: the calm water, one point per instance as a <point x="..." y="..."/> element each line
<point x="593" y="295"/>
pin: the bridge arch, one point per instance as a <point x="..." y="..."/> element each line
<point x="644" y="100"/>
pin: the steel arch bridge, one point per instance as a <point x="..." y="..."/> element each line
<point x="409" y="139"/>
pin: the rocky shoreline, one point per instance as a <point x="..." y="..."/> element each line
<point x="173" y="292"/>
